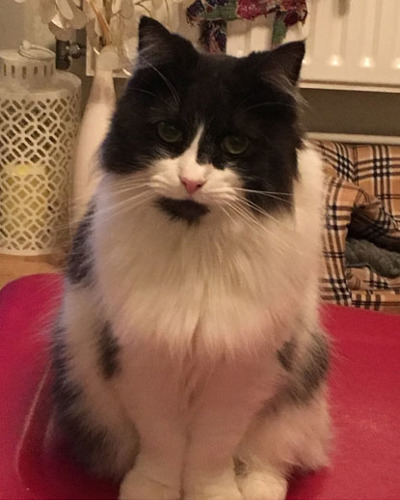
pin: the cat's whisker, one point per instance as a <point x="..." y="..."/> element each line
<point x="247" y="216"/>
<point x="112" y="215"/>
<point x="221" y="195"/>
<point x="263" y="193"/>
<point x="258" y="209"/>
<point x="284" y="245"/>
<point x="268" y="104"/>
<point x="116" y="208"/>
<point x="228" y="197"/>
<point x="133" y="175"/>
<point x="250" y="219"/>
<point x="165" y="101"/>
<point x="127" y="199"/>
<point x="117" y="211"/>
<point x="278" y="198"/>
<point x="122" y="190"/>
<point x="226" y="212"/>
<point x="131" y="180"/>
<point x="136" y="180"/>
<point x="133" y="189"/>
<point x="160" y="184"/>
<point x="279" y="193"/>
<point x="165" y="79"/>
<point x="282" y="193"/>
<point x="281" y="244"/>
<point x="245" y="100"/>
<point x="266" y="193"/>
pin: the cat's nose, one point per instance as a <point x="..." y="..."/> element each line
<point x="191" y="185"/>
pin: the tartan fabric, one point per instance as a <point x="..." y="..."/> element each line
<point x="362" y="200"/>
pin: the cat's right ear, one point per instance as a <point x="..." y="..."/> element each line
<point x="158" y="46"/>
<point x="285" y="61"/>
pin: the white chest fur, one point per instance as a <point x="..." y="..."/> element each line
<point x="223" y="284"/>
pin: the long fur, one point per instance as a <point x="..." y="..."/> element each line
<point x="188" y="355"/>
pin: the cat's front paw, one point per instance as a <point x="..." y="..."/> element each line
<point x="214" y="492"/>
<point x="138" y="486"/>
<point x="216" y="488"/>
<point x="263" y="486"/>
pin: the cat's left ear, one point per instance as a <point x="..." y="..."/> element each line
<point x="285" y="61"/>
<point x="152" y="33"/>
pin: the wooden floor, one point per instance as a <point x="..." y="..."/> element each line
<point x="13" y="267"/>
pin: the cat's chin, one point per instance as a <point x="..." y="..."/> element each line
<point x="189" y="211"/>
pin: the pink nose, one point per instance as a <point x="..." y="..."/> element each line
<point x="190" y="185"/>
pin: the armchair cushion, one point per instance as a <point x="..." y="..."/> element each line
<point x="362" y="201"/>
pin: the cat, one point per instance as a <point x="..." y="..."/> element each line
<point x="188" y="356"/>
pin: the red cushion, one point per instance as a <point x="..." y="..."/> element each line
<point x="365" y="395"/>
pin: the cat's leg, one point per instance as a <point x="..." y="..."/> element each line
<point x="296" y="435"/>
<point x="150" y="388"/>
<point x="85" y="365"/>
<point x="226" y="408"/>
<point x="293" y="429"/>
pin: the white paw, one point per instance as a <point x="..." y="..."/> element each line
<point x="263" y="486"/>
<point x="213" y="492"/>
<point x="223" y="487"/>
<point x="137" y="486"/>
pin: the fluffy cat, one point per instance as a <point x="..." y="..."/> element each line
<point x="188" y="356"/>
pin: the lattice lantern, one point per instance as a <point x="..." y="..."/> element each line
<point x="39" y="115"/>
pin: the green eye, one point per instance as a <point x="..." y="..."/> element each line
<point x="235" y="144"/>
<point x="169" y="133"/>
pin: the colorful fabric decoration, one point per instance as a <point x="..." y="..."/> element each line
<point x="212" y="16"/>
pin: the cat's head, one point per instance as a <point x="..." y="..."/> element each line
<point x="207" y="132"/>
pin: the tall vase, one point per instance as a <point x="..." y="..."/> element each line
<point x="94" y="125"/>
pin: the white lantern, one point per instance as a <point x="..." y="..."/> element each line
<point x="39" y="116"/>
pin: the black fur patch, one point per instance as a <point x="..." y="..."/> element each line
<point x="65" y="392"/>
<point x="87" y="441"/>
<point x="305" y="378"/>
<point x="186" y="210"/>
<point x="79" y="263"/>
<point x="287" y="353"/>
<point x="308" y="377"/>
<point x="108" y="350"/>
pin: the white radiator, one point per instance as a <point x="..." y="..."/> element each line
<point x="354" y="41"/>
<point x="350" y="43"/>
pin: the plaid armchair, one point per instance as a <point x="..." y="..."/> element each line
<point x="362" y="201"/>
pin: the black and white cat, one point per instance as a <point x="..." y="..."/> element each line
<point x="188" y="355"/>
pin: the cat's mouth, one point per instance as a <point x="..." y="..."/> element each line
<point x="186" y="210"/>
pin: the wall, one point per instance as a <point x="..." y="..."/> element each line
<point x="20" y="21"/>
<point x="325" y="111"/>
<point x="351" y="112"/>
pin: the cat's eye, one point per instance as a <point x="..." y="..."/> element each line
<point x="169" y="132"/>
<point x="235" y="144"/>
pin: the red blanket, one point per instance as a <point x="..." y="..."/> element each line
<point x="364" y="386"/>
